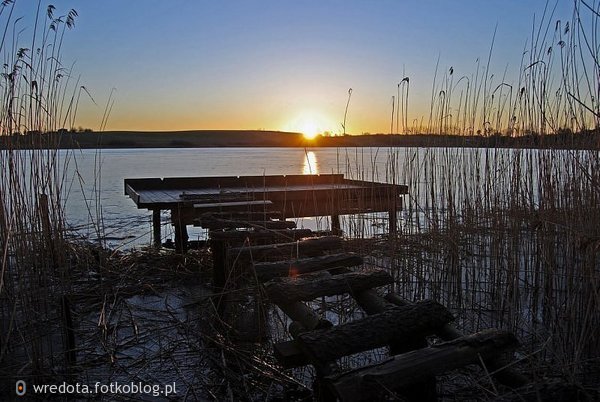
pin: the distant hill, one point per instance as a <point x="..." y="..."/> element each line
<point x="258" y="138"/>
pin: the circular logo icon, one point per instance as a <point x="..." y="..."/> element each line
<point x="20" y="388"/>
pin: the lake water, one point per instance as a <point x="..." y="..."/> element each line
<point x="96" y="194"/>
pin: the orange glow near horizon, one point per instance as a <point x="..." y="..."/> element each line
<point x="310" y="124"/>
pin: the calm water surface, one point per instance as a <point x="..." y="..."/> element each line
<point x="96" y="192"/>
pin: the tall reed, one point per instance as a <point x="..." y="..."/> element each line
<point x="35" y="88"/>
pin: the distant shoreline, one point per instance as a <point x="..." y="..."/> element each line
<point x="268" y="139"/>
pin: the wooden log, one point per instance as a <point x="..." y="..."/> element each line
<point x="303" y="314"/>
<point x="310" y="247"/>
<point x="284" y="235"/>
<point x="397" y="324"/>
<point x="269" y="270"/>
<point x="282" y="290"/>
<point x="506" y="375"/>
<point x="405" y="369"/>
<point x="289" y="353"/>
<point x="215" y="223"/>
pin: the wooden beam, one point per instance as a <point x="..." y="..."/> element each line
<point x="405" y="369"/>
<point x="215" y="223"/>
<point x="244" y="215"/>
<point x="310" y="247"/>
<point x="284" y="235"/>
<point x="233" y="204"/>
<point x="282" y="290"/>
<point x="269" y="270"/>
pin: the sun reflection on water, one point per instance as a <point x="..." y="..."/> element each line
<point x="310" y="166"/>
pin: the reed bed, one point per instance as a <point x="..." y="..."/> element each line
<point x="506" y="238"/>
<point x="509" y="239"/>
<point x="37" y="96"/>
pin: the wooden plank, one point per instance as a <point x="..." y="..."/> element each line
<point x="261" y="235"/>
<point x="405" y="369"/>
<point x="214" y="223"/>
<point x="233" y="204"/>
<point x="269" y="270"/>
<point x="244" y="215"/>
<point x="282" y="290"/>
<point x="310" y="247"/>
<point x="397" y="324"/>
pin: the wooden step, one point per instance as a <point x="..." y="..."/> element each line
<point x="310" y="247"/>
<point x="268" y="270"/>
<point x="408" y="368"/>
<point x="285" y="290"/>
<point x="394" y="325"/>
<point x="216" y="223"/>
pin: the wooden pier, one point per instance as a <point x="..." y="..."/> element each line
<point x="253" y="243"/>
<point x="293" y="196"/>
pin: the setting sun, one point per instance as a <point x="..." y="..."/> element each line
<point x="309" y="129"/>
<point x="310" y="124"/>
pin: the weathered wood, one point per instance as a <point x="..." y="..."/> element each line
<point x="289" y="353"/>
<point x="371" y="302"/>
<point x="336" y="227"/>
<point x="156" y="232"/>
<point x="269" y="270"/>
<point x="215" y="223"/>
<point x="303" y="314"/>
<point x="397" y="324"/>
<point x="180" y="229"/>
<point x="294" y="196"/>
<point x="281" y="290"/>
<point x="506" y="375"/>
<point x="244" y="215"/>
<point x="310" y="247"/>
<point x="393" y="219"/>
<point x="234" y="204"/>
<point x="261" y="235"/>
<point x="402" y="370"/>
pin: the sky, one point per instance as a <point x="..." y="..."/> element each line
<point x="278" y="64"/>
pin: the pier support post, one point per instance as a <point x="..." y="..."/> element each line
<point x="156" y="234"/>
<point x="393" y="218"/>
<point x="336" y="227"/>
<point x="181" y="234"/>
